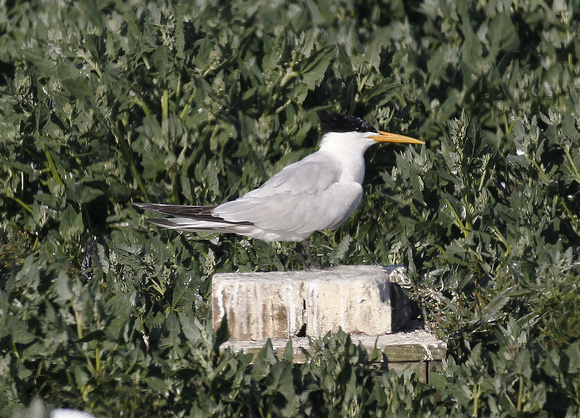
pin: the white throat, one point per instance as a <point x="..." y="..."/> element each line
<point x="348" y="148"/>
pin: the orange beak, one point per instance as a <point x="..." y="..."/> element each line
<point x="400" y="139"/>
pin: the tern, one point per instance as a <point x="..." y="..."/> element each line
<point x="319" y="192"/>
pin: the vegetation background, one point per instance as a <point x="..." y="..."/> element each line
<point x="107" y="103"/>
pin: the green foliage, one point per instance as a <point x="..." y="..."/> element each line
<point x="103" y="104"/>
<point x="521" y="377"/>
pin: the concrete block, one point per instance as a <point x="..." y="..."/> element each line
<point x="413" y="348"/>
<point x="358" y="299"/>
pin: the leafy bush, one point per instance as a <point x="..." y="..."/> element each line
<point x="105" y="104"/>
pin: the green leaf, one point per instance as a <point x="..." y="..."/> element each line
<point x="503" y="34"/>
<point x="316" y="66"/>
<point x="18" y="331"/>
<point x="156" y="384"/>
<point x="190" y="328"/>
<point x="71" y="225"/>
<point x="63" y="287"/>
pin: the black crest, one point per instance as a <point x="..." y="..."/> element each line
<point x="337" y="122"/>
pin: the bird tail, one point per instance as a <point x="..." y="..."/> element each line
<point x="191" y="218"/>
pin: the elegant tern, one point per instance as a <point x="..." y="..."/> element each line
<point x="319" y="192"/>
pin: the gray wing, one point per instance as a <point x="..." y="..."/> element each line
<point x="305" y="196"/>
<point x="312" y="174"/>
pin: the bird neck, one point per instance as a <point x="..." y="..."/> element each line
<point x="348" y="152"/>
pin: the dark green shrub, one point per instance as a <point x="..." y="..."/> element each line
<point x="103" y="104"/>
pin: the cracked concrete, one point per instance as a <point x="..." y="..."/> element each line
<point x="358" y="299"/>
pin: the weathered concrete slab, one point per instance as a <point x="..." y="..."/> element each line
<point x="358" y="299"/>
<point x="367" y="302"/>
<point x="412" y="348"/>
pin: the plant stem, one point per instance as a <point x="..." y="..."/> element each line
<point x="188" y="105"/>
<point x="463" y="228"/>
<point x="21" y="203"/>
<point x="97" y="359"/>
<point x="79" y="321"/>
<point x="574" y="168"/>
<point x="51" y="165"/>
<point x="165" y="105"/>
<point x="520" y="393"/>
<point x="476" y="394"/>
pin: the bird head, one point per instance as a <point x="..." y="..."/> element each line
<point x="352" y="129"/>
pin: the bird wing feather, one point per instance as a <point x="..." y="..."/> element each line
<point x="202" y="213"/>
<point x="305" y="196"/>
<point x="312" y="174"/>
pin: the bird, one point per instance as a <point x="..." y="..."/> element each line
<point x="37" y="409"/>
<point x="320" y="191"/>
